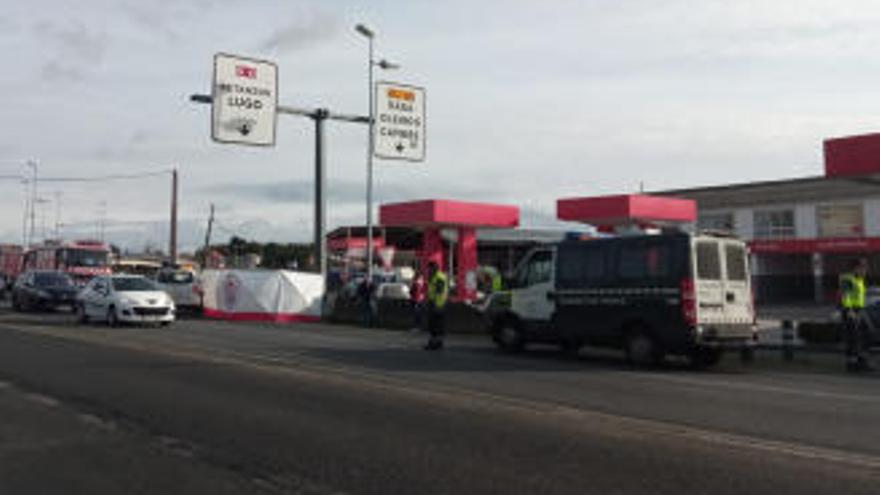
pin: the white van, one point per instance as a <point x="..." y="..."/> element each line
<point x="651" y="295"/>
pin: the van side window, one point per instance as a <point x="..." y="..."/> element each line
<point x="708" y="261"/>
<point x="735" y="259"/>
<point x="580" y="266"/>
<point x="540" y="268"/>
<point x="644" y="261"/>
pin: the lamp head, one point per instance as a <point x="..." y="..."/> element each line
<point x="364" y="30"/>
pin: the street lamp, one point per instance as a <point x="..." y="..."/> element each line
<point x="385" y="65"/>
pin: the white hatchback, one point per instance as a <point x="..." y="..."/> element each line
<point x="124" y="299"/>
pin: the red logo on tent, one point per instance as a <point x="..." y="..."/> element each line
<point x="245" y="71"/>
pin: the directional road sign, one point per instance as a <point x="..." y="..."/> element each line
<point x="245" y="96"/>
<point x="399" y="132"/>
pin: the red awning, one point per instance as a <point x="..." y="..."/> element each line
<point x="830" y="245"/>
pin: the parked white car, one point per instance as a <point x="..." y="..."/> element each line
<point x="182" y="286"/>
<point x="124" y="299"/>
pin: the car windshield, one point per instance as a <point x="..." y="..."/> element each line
<point x="86" y="257"/>
<point x="132" y="284"/>
<point x="52" y="280"/>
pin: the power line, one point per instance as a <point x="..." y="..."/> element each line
<point x="107" y="178"/>
<point x="102" y="178"/>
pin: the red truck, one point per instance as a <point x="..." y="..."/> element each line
<point x="82" y="260"/>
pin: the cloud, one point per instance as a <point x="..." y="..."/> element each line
<point x="310" y="29"/>
<point x="73" y="50"/>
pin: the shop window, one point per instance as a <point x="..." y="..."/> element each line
<point x="716" y="222"/>
<point x="774" y="224"/>
<point x="840" y="220"/>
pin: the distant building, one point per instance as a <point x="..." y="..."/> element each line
<point x="803" y="231"/>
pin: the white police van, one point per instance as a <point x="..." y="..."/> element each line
<point x="651" y="295"/>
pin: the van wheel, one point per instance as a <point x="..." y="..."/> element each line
<point x="641" y="349"/>
<point x="508" y="336"/>
<point x="570" y="348"/>
<point x="705" y="357"/>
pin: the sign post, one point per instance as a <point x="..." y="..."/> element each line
<point x="245" y="98"/>
<point x="399" y="132"/>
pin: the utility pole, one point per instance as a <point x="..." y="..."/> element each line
<point x="319" y="116"/>
<point x="172" y="241"/>
<point x="208" y="237"/>
<point x="33" y="165"/>
<point x="58" y="215"/>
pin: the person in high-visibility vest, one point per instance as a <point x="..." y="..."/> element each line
<point x="852" y="306"/>
<point x="438" y="293"/>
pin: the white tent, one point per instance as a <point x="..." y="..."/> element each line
<point x="262" y="295"/>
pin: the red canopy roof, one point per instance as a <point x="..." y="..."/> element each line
<point x="439" y="212"/>
<point x="628" y="208"/>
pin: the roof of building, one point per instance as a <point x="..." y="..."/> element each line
<point x="786" y="191"/>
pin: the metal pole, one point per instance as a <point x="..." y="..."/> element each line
<point x="208" y="238"/>
<point x="27" y="206"/>
<point x="33" y="165"/>
<point x="370" y="168"/>
<point x="320" y="116"/>
<point x="172" y="240"/>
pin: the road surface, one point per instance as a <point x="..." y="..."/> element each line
<point x="214" y="407"/>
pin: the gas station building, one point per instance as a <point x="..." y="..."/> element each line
<point x="803" y="232"/>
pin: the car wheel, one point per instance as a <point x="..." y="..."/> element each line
<point x="81" y="316"/>
<point x="509" y="336"/>
<point x="112" y="317"/>
<point x="165" y="324"/>
<point x="642" y="350"/>
<point x="705" y="357"/>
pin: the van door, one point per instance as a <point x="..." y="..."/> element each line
<point x="737" y="287"/>
<point x="534" y="282"/>
<point x="708" y="280"/>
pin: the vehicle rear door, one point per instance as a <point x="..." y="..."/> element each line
<point x="708" y="280"/>
<point x="736" y="284"/>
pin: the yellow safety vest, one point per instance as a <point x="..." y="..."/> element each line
<point x="496" y="282"/>
<point x="852" y="291"/>
<point x="438" y="290"/>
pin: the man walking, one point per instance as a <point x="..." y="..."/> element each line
<point x="438" y="292"/>
<point x="852" y="305"/>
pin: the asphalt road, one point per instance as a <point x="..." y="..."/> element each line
<point x="212" y="407"/>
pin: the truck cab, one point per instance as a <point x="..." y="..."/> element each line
<point x="651" y="295"/>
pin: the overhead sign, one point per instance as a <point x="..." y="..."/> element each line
<point x="399" y="131"/>
<point x="245" y="95"/>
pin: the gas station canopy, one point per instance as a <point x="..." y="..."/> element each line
<point x="626" y="209"/>
<point x="440" y="212"/>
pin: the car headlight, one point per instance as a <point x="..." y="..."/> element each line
<point x="127" y="302"/>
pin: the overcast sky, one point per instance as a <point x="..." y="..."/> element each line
<point x="527" y="102"/>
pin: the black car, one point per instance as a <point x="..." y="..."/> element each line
<point x="43" y="289"/>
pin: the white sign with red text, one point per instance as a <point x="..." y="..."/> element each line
<point x="245" y="96"/>
<point x="399" y="131"/>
